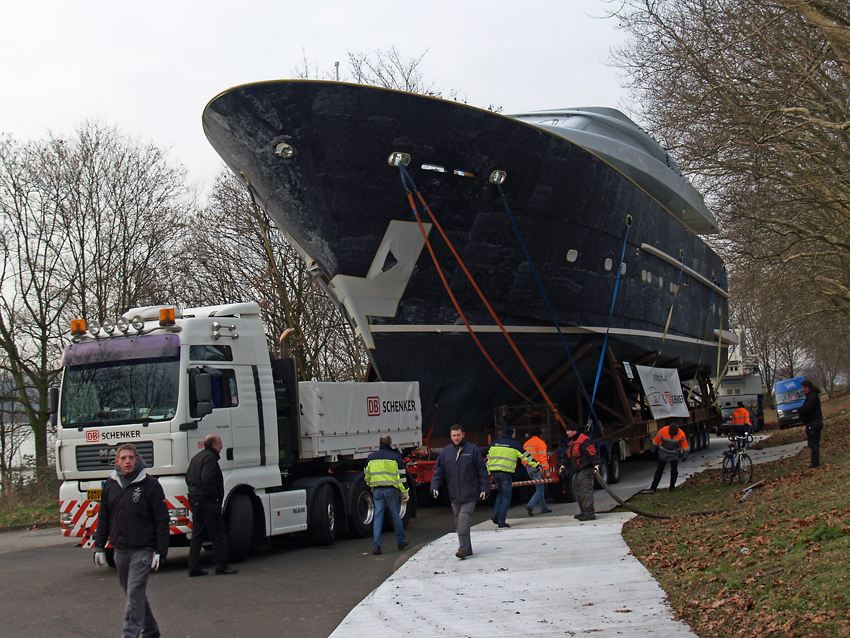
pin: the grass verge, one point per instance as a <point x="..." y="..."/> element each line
<point x="774" y="565"/>
<point x="29" y="504"/>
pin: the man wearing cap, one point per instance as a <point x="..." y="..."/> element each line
<point x="584" y="462"/>
<point x="501" y="463"/>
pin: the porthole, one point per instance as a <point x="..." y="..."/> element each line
<point x="643" y="275"/>
<point x="623" y="268"/>
<point x="661" y="282"/>
<point x="648" y="277"/>
<point x="609" y="264"/>
<point x="572" y="255"/>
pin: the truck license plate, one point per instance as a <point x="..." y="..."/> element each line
<point x="93" y="495"/>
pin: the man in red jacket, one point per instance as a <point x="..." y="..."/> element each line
<point x="584" y="461"/>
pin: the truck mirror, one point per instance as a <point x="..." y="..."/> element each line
<point x="54" y="406"/>
<point x="202" y="385"/>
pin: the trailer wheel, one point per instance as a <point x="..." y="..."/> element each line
<point x="240" y="523"/>
<point x="322" y="525"/>
<point x="614" y="470"/>
<point x="362" y="510"/>
<point x="110" y="556"/>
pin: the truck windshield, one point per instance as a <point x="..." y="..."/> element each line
<point x="790" y="397"/>
<point x="117" y="393"/>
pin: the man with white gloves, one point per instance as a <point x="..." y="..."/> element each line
<point x="133" y="515"/>
<point x="461" y="465"/>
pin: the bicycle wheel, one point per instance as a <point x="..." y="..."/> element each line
<point x="728" y="470"/>
<point x="745" y="469"/>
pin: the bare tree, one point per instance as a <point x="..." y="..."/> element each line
<point x="754" y="98"/>
<point x="89" y="227"/>
<point x="34" y="249"/>
<point x="236" y="253"/>
<point x="125" y="210"/>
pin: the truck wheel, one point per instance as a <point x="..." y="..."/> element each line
<point x="110" y="556"/>
<point x="362" y="510"/>
<point x="614" y="469"/>
<point x="322" y="525"/>
<point x="240" y="527"/>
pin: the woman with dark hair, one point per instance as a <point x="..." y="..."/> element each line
<point x="812" y="418"/>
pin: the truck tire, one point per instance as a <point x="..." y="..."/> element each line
<point x="614" y="469"/>
<point x="322" y="520"/>
<point x="362" y="510"/>
<point x="240" y="527"/>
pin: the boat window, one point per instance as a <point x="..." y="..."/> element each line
<point x="609" y="264"/>
<point x="623" y="268"/>
<point x="572" y="255"/>
<point x="643" y="275"/>
<point x="648" y="277"/>
<point x="661" y="282"/>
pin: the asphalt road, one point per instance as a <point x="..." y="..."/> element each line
<point x="50" y="588"/>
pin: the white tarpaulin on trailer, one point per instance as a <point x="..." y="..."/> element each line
<point x="663" y="391"/>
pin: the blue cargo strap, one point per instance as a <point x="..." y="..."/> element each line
<point x="545" y="297"/>
<point x="611" y="313"/>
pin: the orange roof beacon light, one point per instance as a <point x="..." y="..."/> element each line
<point x="78" y="327"/>
<point x="166" y="317"/>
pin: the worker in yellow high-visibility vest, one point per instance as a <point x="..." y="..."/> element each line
<point x="501" y="463"/>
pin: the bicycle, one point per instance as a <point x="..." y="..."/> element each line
<point x="736" y="461"/>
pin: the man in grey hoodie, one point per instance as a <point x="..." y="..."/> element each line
<point x="133" y="515"/>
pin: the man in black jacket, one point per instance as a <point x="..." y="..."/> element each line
<point x="206" y="491"/>
<point x="133" y="515"/>
<point x="812" y="417"/>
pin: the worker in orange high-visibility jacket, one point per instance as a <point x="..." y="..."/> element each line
<point x="536" y="447"/>
<point x="741" y="420"/>
<point x="671" y="444"/>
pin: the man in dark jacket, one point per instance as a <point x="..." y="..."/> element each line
<point x="461" y="465"/>
<point x="133" y="515"/>
<point x="812" y="418"/>
<point x="206" y="492"/>
<point x="584" y="462"/>
<point x="501" y="463"/>
<point x="387" y="477"/>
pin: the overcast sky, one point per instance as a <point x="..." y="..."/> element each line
<point x="150" y="68"/>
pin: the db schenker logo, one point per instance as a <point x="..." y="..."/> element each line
<point x="373" y="406"/>
<point x="92" y="436"/>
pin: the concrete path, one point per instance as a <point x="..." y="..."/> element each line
<point x="547" y="575"/>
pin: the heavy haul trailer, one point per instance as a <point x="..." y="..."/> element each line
<point x="293" y="452"/>
<point x="626" y="423"/>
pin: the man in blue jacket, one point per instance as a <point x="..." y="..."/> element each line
<point x="461" y="465"/>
